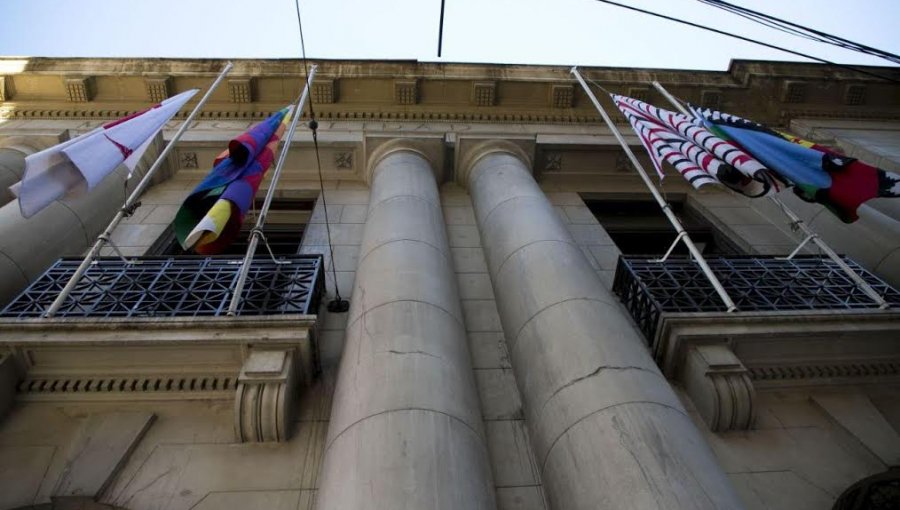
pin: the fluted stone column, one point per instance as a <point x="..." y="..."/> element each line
<point x="608" y="431"/>
<point x="406" y="430"/>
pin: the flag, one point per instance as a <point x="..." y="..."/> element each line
<point x="78" y="165"/>
<point x="211" y="216"/>
<point x="695" y="152"/>
<point x="818" y="173"/>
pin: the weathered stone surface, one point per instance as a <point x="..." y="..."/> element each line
<point x="405" y="430"/>
<point x="594" y="399"/>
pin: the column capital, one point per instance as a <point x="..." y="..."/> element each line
<point x="471" y="151"/>
<point x="429" y="149"/>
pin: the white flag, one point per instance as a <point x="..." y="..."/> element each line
<point x="78" y="165"/>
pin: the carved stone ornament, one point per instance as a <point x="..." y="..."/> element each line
<point x="158" y="89"/>
<point x="264" y="406"/>
<point x="623" y="164"/>
<point x="711" y="99"/>
<point x="562" y="96"/>
<point x="187" y="160"/>
<point x="484" y="93"/>
<point x="343" y="159"/>
<point x="794" y="92"/>
<point x="241" y="90"/>
<point x="855" y="94"/>
<point x="553" y="162"/>
<point x="80" y="89"/>
<point x="324" y="92"/>
<point x="639" y="93"/>
<point x="406" y="92"/>
<point x="720" y="387"/>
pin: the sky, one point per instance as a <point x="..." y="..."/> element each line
<point x="561" y="32"/>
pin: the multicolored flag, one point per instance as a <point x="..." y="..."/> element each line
<point x="698" y="155"/>
<point x="211" y="216"/>
<point x="818" y="173"/>
<point x="76" y="166"/>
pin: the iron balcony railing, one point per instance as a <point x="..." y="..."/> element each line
<point x="755" y="283"/>
<point x="183" y="286"/>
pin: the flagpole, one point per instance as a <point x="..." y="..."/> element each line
<point x="667" y="210"/>
<point x="261" y="217"/>
<point x="795" y="220"/>
<point x="131" y="202"/>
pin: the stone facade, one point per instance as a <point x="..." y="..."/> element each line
<point x="484" y="361"/>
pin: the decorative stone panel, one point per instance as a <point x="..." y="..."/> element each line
<point x="187" y="159"/>
<point x="794" y="92"/>
<point x="79" y="89"/>
<point x="158" y="89"/>
<point x="553" y="162"/>
<point x="324" y="92"/>
<point x="720" y="387"/>
<point x="406" y="92"/>
<point x="343" y="160"/>
<point x="484" y="93"/>
<point x="711" y="99"/>
<point x="240" y="90"/>
<point x="562" y="96"/>
<point x="855" y="94"/>
<point x="264" y="406"/>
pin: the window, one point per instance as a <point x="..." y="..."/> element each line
<point x="284" y="228"/>
<point x="639" y="227"/>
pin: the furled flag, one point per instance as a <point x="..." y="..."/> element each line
<point x="698" y="155"/>
<point x="76" y="166"/>
<point x="818" y="173"/>
<point x="211" y="216"/>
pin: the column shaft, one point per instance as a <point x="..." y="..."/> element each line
<point x="608" y="430"/>
<point x="406" y="430"/>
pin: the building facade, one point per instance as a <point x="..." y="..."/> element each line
<point x="506" y="346"/>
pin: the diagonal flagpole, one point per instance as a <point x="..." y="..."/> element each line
<point x="270" y="194"/>
<point x="667" y="210"/>
<point x="795" y="220"/>
<point x="132" y="202"/>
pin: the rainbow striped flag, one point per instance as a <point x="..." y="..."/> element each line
<point x="211" y="216"/>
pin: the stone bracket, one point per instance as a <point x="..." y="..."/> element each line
<point x="720" y="387"/>
<point x="264" y="405"/>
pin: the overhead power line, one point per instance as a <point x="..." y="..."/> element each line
<point x="798" y="30"/>
<point x="750" y="40"/>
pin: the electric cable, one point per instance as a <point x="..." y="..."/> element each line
<point x="748" y="39"/>
<point x="336" y="305"/>
<point x="801" y="30"/>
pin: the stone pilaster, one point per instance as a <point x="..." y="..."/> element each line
<point x="608" y="430"/>
<point x="406" y="429"/>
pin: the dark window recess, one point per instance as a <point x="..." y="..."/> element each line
<point x="283" y="230"/>
<point x="639" y="227"/>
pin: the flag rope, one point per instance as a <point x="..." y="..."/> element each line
<point x="666" y="208"/>
<point x="810" y="235"/>
<point x="132" y="202"/>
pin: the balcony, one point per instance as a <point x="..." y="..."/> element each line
<point x="157" y="330"/>
<point x="800" y="322"/>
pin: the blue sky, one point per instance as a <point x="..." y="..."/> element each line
<point x="583" y="32"/>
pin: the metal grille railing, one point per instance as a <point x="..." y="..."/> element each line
<point x="649" y="289"/>
<point x="184" y="286"/>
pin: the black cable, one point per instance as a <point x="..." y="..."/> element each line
<point x="747" y="39"/>
<point x="441" y="29"/>
<point x="336" y="305"/>
<point x="801" y="30"/>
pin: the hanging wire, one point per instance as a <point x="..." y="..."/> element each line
<point x="441" y="30"/>
<point x="750" y="40"/>
<point x="336" y="305"/>
<point x="798" y="30"/>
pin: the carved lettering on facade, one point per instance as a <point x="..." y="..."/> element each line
<point x="855" y="95"/>
<point x="324" y="92"/>
<point x="711" y="99"/>
<point x="794" y="92"/>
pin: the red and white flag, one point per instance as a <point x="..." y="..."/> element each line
<point x="78" y="165"/>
